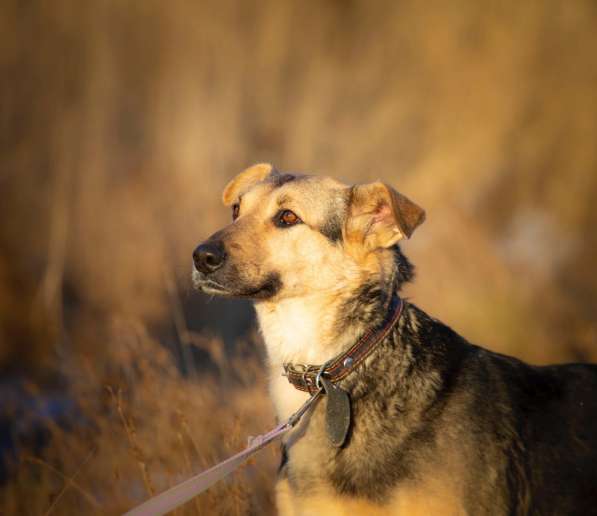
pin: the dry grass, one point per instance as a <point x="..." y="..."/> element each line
<point x="121" y="122"/>
<point x="142" y="428"/>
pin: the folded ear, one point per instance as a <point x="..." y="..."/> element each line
<point x="379" y="216"/>
<point x="243" y="181"/>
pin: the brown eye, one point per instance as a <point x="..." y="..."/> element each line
<point x="287" y="218"/>
<point x="235" y="210"/>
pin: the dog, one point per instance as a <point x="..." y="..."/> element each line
<point x="434" y="425"/>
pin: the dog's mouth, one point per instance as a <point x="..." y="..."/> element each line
<point x="270" y="287"/>
<point x="208" y="285"/>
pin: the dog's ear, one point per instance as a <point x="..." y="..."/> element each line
<point x="379" y="216"/>
<point x="243" y="181"/>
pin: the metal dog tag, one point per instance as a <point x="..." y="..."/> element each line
<point x="337" y="417"/>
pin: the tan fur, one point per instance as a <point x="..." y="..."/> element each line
<point x="380" y="217"/>
<point x="318" y="276"/>
<point x="435" y="497"/>
<point x="244" y="181"/>
<point x="438" y="495"/>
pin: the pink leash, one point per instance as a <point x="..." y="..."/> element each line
<point x="183" y="492"/>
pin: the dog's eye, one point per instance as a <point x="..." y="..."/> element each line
<point x="287" y="218"/>
<point x="235" y="210"/>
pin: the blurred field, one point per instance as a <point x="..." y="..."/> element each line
<point x="120" y="123"/>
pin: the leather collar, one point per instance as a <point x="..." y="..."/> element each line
<point x="305" y="377"/>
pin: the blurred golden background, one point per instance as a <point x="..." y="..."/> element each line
<point x="121" y="121"/>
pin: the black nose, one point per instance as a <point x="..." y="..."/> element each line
<point x="209" y="257"/>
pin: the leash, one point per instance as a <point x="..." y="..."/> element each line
<point x="183" y="492"/>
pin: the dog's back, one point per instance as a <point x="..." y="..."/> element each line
<point x="540" y="424"/>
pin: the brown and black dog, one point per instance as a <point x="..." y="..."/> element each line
<point x="437" y="425"/>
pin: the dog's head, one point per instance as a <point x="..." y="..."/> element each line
<point x="293" y="235"/>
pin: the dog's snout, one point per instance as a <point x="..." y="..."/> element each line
<point x="209" y="257"/>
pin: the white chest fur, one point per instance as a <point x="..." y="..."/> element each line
<point x="300" y="331"/>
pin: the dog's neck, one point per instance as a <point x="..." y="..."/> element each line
<point x="312" y="330"/>
<point x="301" y="330"/>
